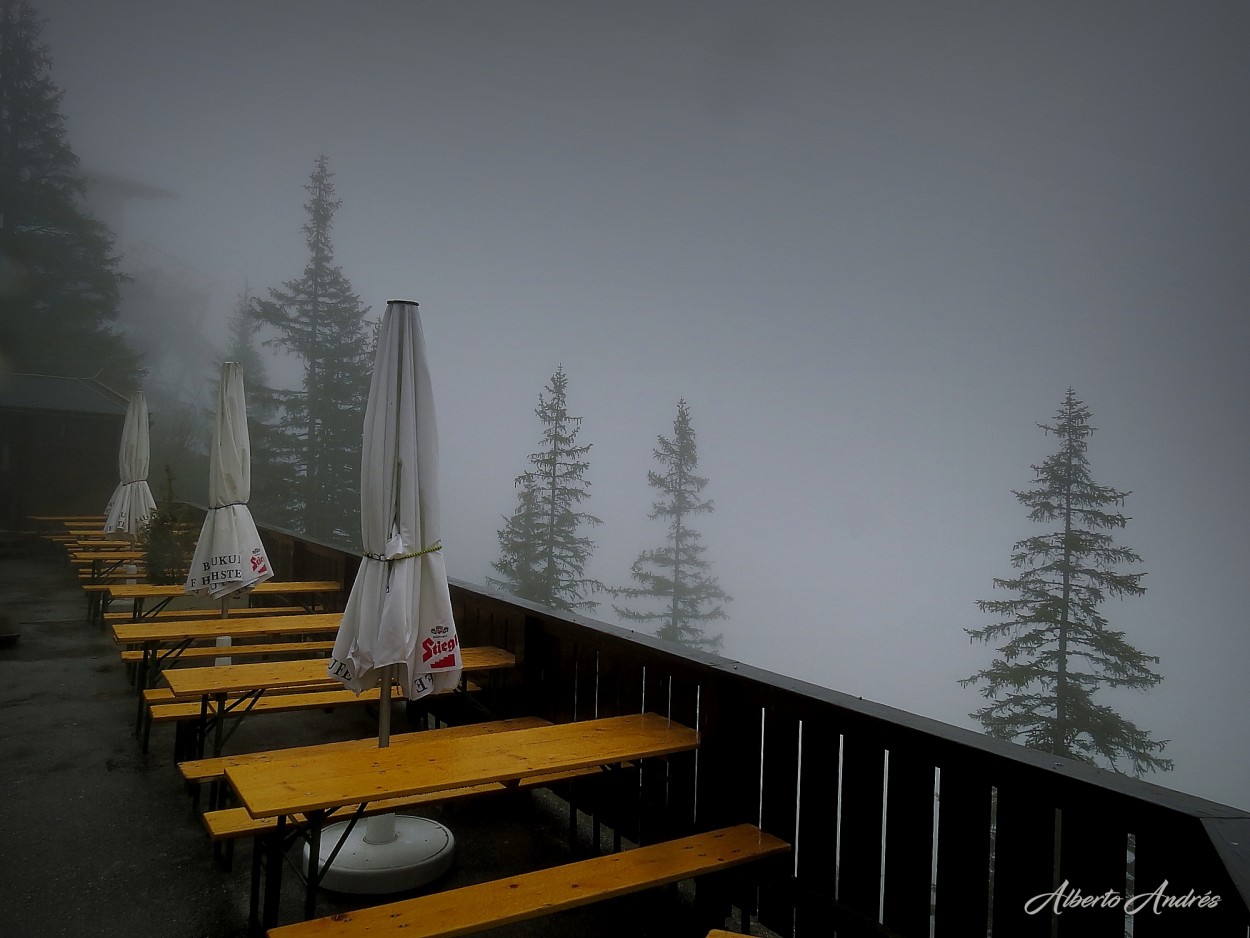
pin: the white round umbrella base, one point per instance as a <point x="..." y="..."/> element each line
<point x="421" y="852"/>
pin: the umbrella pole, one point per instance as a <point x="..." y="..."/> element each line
<point x="223" y="641"/>
<point x="130" y="567"/>
<point x="380" y="829"/>
<point x="384" y="708"/>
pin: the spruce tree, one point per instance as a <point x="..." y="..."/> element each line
<point x="1057" y="648"/>
<point x="320" y="320"/>
<point x="673" y="580"/>
<point x="272" y="456"/>
<point x="542" y="554"/>
<point x="59" y="278"/>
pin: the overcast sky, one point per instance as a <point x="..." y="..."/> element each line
<point x="871" y="244"/>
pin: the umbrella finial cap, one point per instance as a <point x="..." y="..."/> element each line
<point x="405" y="302"/>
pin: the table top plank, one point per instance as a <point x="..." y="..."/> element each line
<point x="93" y="517"/>
<point x="167" y="590"/>
<point x="174" y="630"/>
<point x="208" y="769"/>
<point x="321" y="780"/>
<point x="303" y="672"/>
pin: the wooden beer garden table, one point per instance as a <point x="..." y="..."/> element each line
<point x="106" y="561"/>
<point x="63" y="519"/>
<point x="164" y="594"/>
<point x="164" y="641"/>
<point x="232" y="690"/>
<point x="318" y="781"/>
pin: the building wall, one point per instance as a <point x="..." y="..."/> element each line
<point x="56" y="463"/>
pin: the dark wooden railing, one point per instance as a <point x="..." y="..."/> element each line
<point x="901" y="825"/>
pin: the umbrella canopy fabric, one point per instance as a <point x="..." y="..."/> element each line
<point x="229" y="556"/>
<point x="399" y="611"/>
<point x="132" y="504"/>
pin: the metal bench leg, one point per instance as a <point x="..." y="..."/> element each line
<point x="273" y="875"/>
<point x="223" y="854"/>
<point x="314" y="866"/>
<point x="258" y="855"/>
<point x="147" y="727"/>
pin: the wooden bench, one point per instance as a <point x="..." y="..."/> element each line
<point x="163" y="697"/>
<point x="163" y="707"/>
<point x="87" y="578"/>
<point x="120" y="574"/>
<point x="104" y="551"/>
<point x="225" y="824"/>
<point x="81" y="542"/>
<point x="95" y="568"/>
<point x="530" y="895"/>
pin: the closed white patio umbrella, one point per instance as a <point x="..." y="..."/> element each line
<point x="398" y="623"/>
<point x="398" y="615"/>
<point x="131" y="503"/>
<point x="229" y="556"/>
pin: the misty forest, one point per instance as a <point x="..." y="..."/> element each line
<point x="614" y="511"/>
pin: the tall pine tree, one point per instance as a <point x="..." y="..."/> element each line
<point x="59" y="277"/>
<point x="673" y="580"/>
<point x="1057" y="649"/>
<point x="320" y="320"/>
<point x="542" y="554"/>
<point x="272" y="456"/>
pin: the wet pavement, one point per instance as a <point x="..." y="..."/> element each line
<point x="101" y="840"/>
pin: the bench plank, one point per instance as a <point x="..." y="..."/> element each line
<point x="235" y="823"/>
<point x="282" y="700"/>
<point x="108" y="579"/>
<point x="177" y="711"/>
<point x="519" y="898"/>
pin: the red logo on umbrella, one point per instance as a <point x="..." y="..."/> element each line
<point x="430" y="648"/>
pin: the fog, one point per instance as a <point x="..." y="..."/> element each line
<point x="871" y="245"/>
